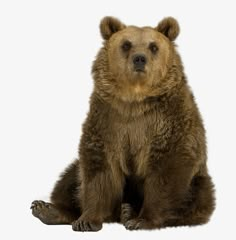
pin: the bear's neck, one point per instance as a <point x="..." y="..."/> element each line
<point x="134" y="109"/>
<point x="131" y="110"/>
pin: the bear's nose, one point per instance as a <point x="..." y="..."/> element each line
<point x="139" y="61"/>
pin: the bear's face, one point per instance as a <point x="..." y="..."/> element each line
<point x="138" y="58"/>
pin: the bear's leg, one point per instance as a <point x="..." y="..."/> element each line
<point x="127" y="213"/>
<point x="199" y="205"/>
<point x="64" y="208"/>
<point x="195" y="208"/>
<point x="100" y="195"/>
<point x="164" y="190"/>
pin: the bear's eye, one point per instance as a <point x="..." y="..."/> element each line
<point x="126" y="46"/>
<point x="153" y="47"/>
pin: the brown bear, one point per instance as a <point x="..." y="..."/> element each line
<point x="142" y="154"/>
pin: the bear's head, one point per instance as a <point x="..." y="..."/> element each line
<point x="136" y="62"/>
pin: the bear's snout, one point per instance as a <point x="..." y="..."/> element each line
<point x="139" y="61"/>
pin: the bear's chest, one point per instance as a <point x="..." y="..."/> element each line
<point x="129" y="141"/>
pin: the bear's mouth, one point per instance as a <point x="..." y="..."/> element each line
<point x="139" y="70"/>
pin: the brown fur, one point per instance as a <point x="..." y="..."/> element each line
<point x="142" y="155"/>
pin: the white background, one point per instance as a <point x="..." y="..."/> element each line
<point x="46" y="51"/>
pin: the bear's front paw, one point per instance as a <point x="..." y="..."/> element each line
<point x="83" y="225"/>
<point x="139" y="223"/>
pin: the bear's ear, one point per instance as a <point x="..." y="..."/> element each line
<point x="109" y="26"/>
<point x="169" y="27"/>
